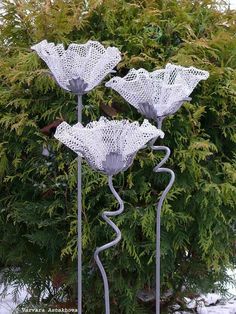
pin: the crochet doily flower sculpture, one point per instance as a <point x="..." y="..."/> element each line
<point x="156" y="95"/>
<point x="80" y="67"/>
<point x="108" y="146"/>
<point x="159" y="93"/>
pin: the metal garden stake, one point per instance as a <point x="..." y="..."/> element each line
<point x="78" y="69"/>
<point x="156" y="95"/>
<point x="119" y="141"/>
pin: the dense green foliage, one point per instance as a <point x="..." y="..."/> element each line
<point x="38" y="193"/>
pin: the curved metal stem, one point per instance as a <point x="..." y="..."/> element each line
<point x="105" y="216"/>
<point x="79" y="200"/>
<point x="158" y="169"/>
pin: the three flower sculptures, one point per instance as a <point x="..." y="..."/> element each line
<point x="110" y="146"/>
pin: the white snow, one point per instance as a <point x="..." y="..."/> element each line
<point x="211" y="303"/>
<point x="7" y="305"/>
<point x="233" y="4"/>
<point x="210" y="298"/>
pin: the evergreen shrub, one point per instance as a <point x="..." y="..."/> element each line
<point x="38" y="191"/>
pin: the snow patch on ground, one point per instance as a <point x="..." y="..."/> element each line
<point x="7" y="305"/>
<point x="211" y="303"/>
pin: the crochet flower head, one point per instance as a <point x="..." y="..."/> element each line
<point x="79" y="68"/>
<point x="108" y="146"/>
<point x="160" y="93"/>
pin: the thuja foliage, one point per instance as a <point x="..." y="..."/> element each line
<point x="38" y="217"/>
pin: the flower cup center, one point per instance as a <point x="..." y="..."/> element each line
<point x="147" y="110"/>
<point x="115" y="163"/>
<point x="77" y="86"/>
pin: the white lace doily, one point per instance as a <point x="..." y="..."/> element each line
<point x="159" y="93"/>
<point x="79" y="68"/>
<point x="108" y="146"/>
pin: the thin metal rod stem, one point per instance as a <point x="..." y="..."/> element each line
<point x="159" y="122"/>
<point x="105" y="216"/>
<point x="158" y="169"/>
<point x="79" y="222"/>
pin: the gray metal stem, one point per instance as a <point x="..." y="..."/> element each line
<point x="79" y="200"/>
<point x="105" y="216"/>
<point x="158" y="218"/>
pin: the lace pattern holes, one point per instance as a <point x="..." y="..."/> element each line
<point x="108" y="146"/>
<point x="159" y="93"/>
<point x="88" y="63"/>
